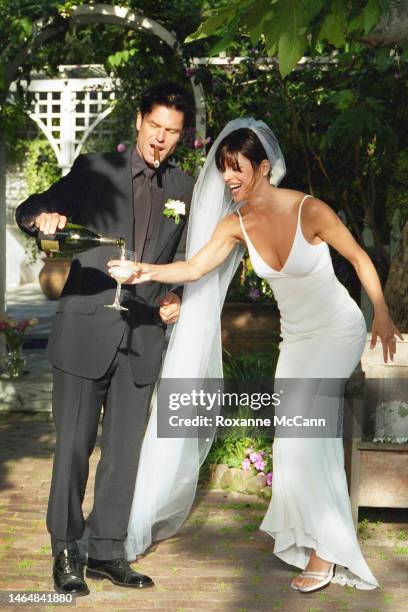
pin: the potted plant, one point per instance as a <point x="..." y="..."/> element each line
<point x="53" y="274"/>
<point x="42" y="171"/>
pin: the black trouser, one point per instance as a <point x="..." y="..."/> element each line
<point x="77" y="404"/>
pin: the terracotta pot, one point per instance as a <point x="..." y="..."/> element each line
<point x="53" y="275"/>
<point x="249" y="327"/>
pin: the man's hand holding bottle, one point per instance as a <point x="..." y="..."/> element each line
<point x="48" y="223"/>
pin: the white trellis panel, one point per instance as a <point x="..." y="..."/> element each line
<point x="68" y="110"/>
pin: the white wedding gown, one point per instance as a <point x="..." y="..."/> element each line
<point x="323" y="337"/>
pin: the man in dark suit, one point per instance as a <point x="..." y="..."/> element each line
<point x="102" y="356"/>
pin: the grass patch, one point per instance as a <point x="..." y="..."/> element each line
<point x="383" y="556"/>
<point x="220" y="586"/>
<point x="45" y="549"/>
<point x="241" y="506"/>
<point x="402" y="535"/>
<point x="24" y="564"/>
<point x="239" y="518"/>
<point x="249" y="528"/>
<point x="387" y="597"/>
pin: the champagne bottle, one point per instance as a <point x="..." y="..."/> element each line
<point x="74" y="239"/>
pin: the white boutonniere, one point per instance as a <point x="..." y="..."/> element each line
<point x="174" y="208"/>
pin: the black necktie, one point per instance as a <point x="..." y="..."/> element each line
<point x="143" y="209"/>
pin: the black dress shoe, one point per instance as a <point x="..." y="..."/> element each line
<point x="69" y="574"/>
<point x="117" y="571"/>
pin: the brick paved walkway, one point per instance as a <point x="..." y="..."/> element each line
<point x="218" y="561"/>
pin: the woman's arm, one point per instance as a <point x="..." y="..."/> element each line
<point x="328" y="226"/>
<point x="223" y="240"/>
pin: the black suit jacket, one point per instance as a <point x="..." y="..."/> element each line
<point x="84" y="337"/>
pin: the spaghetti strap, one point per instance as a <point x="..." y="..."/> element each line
<point x="242" y="224"/>
<point x="301" y="204"/>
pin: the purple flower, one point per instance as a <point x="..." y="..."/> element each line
<point x="246" y="464"/>
<point x="190" y="72"/>
<point x="254" y="293"/>
<point x="269" y="479"/>
<point x="260" y="464"/>
<point x="254" y="457"/>
<point x="121" y="148"/>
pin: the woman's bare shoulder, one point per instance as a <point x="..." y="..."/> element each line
<point x="230" y="225"/>
<point x="314" y="207"/>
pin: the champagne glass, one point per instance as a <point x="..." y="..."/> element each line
<point x="121" y="272"/>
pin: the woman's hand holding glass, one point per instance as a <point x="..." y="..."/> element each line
<point x="121" y="269"/>
<point x="130" y="271"/>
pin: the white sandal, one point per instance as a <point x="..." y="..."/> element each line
<point x="326" y="579"/>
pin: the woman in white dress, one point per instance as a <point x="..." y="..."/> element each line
<point x="323" y="336"/>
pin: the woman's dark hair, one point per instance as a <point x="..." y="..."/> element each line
<point x="243" y="141"/>
<point x="166" y="94"/>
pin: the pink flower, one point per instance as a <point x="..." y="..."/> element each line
<point x="190" y="72"/>
<point x="269" y="479"/>
<point x="260" y="465"/>
<point x="246" y="464"/>
<point x="254" y="457"/>
<point x="198" y="143"/>
<point x="121" y="148"/>
<point x="21" y="327"/>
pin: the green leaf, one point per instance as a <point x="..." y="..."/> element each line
<point x="343" y="99"/>
<point x="372" y="15"/>
<point x="272" y="34"/>
<point x="26" y="26"/>
<point x="254" y="19"/>
<point x="334" y="30"/>
<point x="356" y="24"/>
<point x="287" y="31"/>
<point x="209" y="27"/>
<point x="312" y="8"/>
<point x="226" y="40"/>
<point x="291" y="50"/>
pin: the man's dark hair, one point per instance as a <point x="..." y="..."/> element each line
<point x="170" y="95"/>
<point x="244" y="141"/>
